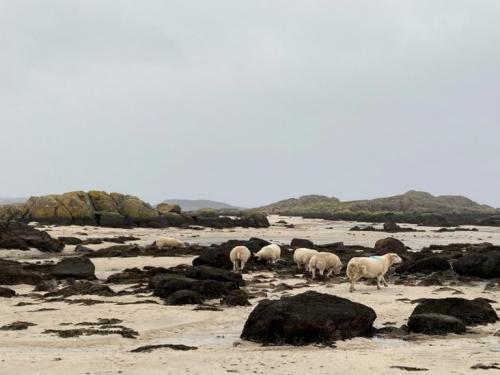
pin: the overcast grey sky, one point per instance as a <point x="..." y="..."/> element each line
<point x="250" y="101"/>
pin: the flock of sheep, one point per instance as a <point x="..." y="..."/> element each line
<point x="313" y="260"/>
<point x="374" y="267"/>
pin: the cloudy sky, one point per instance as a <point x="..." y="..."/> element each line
<point x="250" y="101"/>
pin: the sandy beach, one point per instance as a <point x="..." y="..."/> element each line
<point x="216" y="333"/>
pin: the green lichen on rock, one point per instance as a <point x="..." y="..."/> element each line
<point x="134" y="208"/>
<point x="79" y="206"/>
<point x="103" y="202"/>
<point x="47" y="209"/>
<point x="164" y="208"/>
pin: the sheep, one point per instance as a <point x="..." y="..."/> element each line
<point x="164" y="242"/>
<point x="269" y="253"/>
<point x="323" y="261"/>
<point x="371" y="267"/>
<point x="239" y="254"/>
<point x="302" y="256"/>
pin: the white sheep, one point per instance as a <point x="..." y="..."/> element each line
<point x="324" y="261"/>
<point x="302" y="256"/>
<point x="269" y="253"/>
<point x="164" y="242"/>
<point x="371" y="267"/>
<point x="239" y="254"/>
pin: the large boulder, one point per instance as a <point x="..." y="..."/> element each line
<point x="15" y="235"/>
<point x="136" y="210"/>
<point x="76" y="267"/>
<point x="485" y="265"/>
<point x="307" y="318"/>
<point x="9" y="212"/>
<point x="425" y="265"/>
<point x="255" y="220"/>
<point x="212" y="273"/>
<point x="79" y="206"/>
<point x="472" y="312"/>
<point x="47" y="209"/>
<point x="435" y="324"/>
<point x="390" y="245"/>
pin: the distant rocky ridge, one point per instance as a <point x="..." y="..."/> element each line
<point x="116" y="210"/>
<point x="198" y="204"/>
<point x="412" y="207"/>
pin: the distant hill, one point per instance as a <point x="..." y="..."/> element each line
<point x="412" y="202"/>
<point x="198" y="204"/>
<point x="12" y="200"/>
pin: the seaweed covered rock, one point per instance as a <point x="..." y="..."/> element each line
<point x="485" y="265"/>
<point x="15" y="235"/>
<point x="76" y="267"/>
<point x="435" y="324"/>
<point x="166" y="284"/>
<point x="472" y="312"/>
<point x="390" y="245"/>
<point x="218" y="256"/>
<point x="184" y="297"/>
<point x="307" y="318"/>
<point x="425" y="265"/>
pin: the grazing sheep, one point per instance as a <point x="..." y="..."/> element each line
<point x="302" y="256"/>
<point x="371" y="267"/>
<point x="239" y="254"/>
<point x="269" y="253"/>
<point x="164" y="242"/>
<point x="325" y="262"/>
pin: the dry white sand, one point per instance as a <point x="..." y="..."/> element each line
<point x="216" y="334"/>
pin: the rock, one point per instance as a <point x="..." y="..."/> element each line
<point x="134" y="209"/>
<point x="368" y="228"/>
<point x="255" y="220"/>
<point x="409" y="368"/>
<point x="236" y="297"/>
<point x="211" y="273"/>
<point x="307" y="318"/>
<point x="46" y="286"/>
<point x="76" y="267"/>
<point x="13" y="273"/>
<point x="301" y="242"/>
<point x="482" y="366"/>
<point x="218" y="256"/>
<point x="80" y="249"/>
<point x="426" y="265"/>
<point x="11" y="212"/>
<point x="435" y="324"/>
<point x="390" y="245"/>
<point x="391" y="227"/>
<point x="164" y="285"/>
<point x="184" y="297"/>
<point x="15" y="235"/>
<point x="150" y="348"/>
<point x="83" y="288"/>
<point x="471" y="312"/>
<point x="70" y="240"/>
<point x="485" y="265"/>
<point x="7" y="292"/>
<point x="164" y="208"/>
<point x="17" y="326"/>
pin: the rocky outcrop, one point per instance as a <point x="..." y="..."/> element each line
<point x="14" y="235"/>
<point x="7" y="292"/>
<point x="472" y="312"/>
<point x="307" y="318"/>
<point x="120" y="210"/>
<point x="485" y="265"/>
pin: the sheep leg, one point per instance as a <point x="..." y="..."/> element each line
<point x="378" y="281"/>
<point x="351" y="289"/>
<point x="313" y="271"/>
<point x="235" y="265"/>
<point x="384" y="282"/>
<point x="329" y="273"/>
<point x="242" y="265"/>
